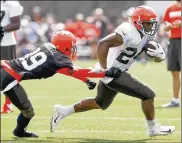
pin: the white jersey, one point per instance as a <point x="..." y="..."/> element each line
<point x="123" y="56"/>
<point x="9" y="9"/>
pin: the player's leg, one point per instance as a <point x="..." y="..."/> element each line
<point x="176" y="84"/>
<point x="104" y="98"/>
<point x="133" y="87"/>
<point x="20" y="99"/>
<point x="7" y="53"/>
<point x="174" y="65"/>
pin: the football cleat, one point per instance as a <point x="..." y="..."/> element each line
<point x="24" y="134"/>
<point x="57" y="116"/>
<point x="171" y="104"/>
<point x="159" y="130"/>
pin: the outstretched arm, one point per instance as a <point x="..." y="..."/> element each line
<point x="66" y="71"/>
<point x="80" y="73"/>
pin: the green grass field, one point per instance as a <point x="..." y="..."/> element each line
<point x="123" y="122"/>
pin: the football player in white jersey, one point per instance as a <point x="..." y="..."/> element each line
<point x="10" y="21"/>
<point x="119" y="49"/>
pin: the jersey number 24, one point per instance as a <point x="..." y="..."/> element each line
<point x="124" y="57"/>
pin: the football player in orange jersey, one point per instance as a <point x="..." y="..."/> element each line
<point x="44" y="62"/>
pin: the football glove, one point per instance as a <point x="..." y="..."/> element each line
<point x="113" y="72"/>
<point x="1" y="33"/>
<point x="91" y="85"/>
<point x="157" y="53"/>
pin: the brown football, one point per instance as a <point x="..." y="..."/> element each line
<point x="150" y="45"/>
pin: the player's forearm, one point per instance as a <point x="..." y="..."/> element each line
<point x="168" y="27"/>
<point x="102" y="52"/>
<point x="65" y="71"/>
<point x="14" y="25"/>
<point x="84" y="79"/>
<point x="11" y="27"/>
<point x="79" y="73"/>
<point x="87" y="73"/>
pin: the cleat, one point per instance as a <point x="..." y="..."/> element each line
<point x="159" y="130"/>
<point x="6" y="109"/>
<point x="170" y="105"/>
<point x="57" y="116"/>
<point x="24" y="134"/>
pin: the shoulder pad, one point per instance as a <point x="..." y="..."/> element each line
<point x="13" y="3"/>
<point x="124" y="30"/>
<point x="50" y="45"/>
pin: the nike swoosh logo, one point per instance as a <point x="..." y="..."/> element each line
<point x="56" y="119"/>
<point x="167" y="131"/>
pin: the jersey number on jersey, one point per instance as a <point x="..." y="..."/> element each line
<point x="2" y="15"/>
<point x="33" y="60"/>
<point x="124" y="57"/>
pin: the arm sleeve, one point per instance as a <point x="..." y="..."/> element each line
<point x="81" y="73"/>
<point x="87" y="73"/>
<point x="123" y="31"/>
<point x="15" y="9"/>
<point x="65" y="72"/>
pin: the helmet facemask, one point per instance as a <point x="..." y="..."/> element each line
<point x="73" y="51"/>
<point x="149" y="28"/>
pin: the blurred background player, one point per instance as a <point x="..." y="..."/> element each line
<point x="10" y="21"/>
<point x="102" y="22"/>
<point x="172" y="19"/>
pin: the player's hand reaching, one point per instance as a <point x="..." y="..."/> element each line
<point x="113" y="72"/>
<point x="1" y="33"/>
<point x="91" y="85"/>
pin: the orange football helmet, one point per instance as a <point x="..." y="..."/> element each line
<point x="145" y="14"/>
<point x="65" y="42"/>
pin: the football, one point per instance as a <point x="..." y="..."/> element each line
<point x="150" y="45"/>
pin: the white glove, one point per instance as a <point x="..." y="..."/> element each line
<point x="97" y="70"/>
<point x="158" y="52"/>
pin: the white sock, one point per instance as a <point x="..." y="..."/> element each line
<point x="151" y="123"/>
<point x="175" y="100"/>
<point x="69" y="110"/>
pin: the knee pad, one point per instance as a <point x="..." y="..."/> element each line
<point x="28" y="113"/>
<point x="102" y="103"/>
